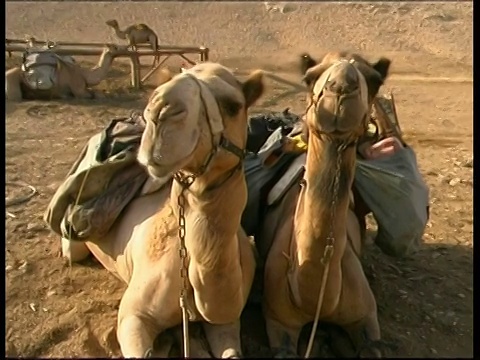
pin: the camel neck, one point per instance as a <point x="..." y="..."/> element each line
<point x="96" y="74"/>
<point x="212" y="215"/>
<point x="313" y="217"/>
<point x="119" y="32"/>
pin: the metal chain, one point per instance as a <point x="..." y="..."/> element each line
<point x="185" y="182"/>
<point x="329" y="248"/>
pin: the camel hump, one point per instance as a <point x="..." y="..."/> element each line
<point x="141" y="27"/>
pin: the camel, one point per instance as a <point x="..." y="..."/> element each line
<point x="315" y="224"/>
<point x="57" y="77"/>
<point x="196" y="128"/>
<point x="135" y="35"/>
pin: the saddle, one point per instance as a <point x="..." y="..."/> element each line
<point x="39" y="58"/>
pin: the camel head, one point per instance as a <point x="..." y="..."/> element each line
<point x="341" y="90"/>
<point x="113" y="23"/>
<point x="195" y="118"/>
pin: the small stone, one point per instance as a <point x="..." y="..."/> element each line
<point x="24" y="267"/>
<point x="51" y="293"/>
<point x="32" y="306"/>
<point x="461" y="296"/>
<point x="436" y="255"/>
<point x="35" y="227"/>
<point x="8" y="268"/>
<point x="468" y="163"/>
<point x="436" y="296"/>
<point x="44" y="310"/>
<point x="433" y="351"/>
<point x="403" y="292"/>
<point x="454" y="181"/>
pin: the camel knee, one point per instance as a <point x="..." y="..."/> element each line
<point x="134" y="336"/>
<point x="283" y="340"/>
<point x="224" y="340"/>
<point x="365" y="335"/>
<point x="74" y="251"/>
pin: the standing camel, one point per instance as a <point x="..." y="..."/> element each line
<point x="196" y="128"/>
<point x="135" y="35"/>
<point x="314" y="224"/>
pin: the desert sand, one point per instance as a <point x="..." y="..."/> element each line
<point x="425" y="301"/>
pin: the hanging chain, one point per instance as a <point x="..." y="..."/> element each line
<point x="329" y="248"/>
<point x="185" y="182"/>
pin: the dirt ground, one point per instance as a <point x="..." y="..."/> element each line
<point x="425" y="302"/>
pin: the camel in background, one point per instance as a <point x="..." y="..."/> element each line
<point x="46" y="75"/>
<point x="135" y="35"/>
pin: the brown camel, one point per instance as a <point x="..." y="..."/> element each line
<point x="315" y="217"/>
<point x="58" y="77"/>
<point x="135" y="35"/>
<point x="196" y="125"/>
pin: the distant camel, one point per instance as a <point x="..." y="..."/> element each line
<point x="45" y="74"/>
<point x="136" y="34"/>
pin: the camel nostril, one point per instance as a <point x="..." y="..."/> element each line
<point x="343" y="87"/>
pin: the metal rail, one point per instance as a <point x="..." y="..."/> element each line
<point x="96" y="49"/>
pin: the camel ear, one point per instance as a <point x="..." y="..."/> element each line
<point x="306" y="62"/>
<point x="382" y="66"/>
<point x="253" y="88"/>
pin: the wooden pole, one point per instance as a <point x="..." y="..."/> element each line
<point x="135" y="71"/>
<point x="153" y="70"/>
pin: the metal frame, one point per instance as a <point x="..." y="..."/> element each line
<point x="96" y="49"/>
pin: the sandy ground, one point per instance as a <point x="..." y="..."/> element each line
<point x="425" y="302"/>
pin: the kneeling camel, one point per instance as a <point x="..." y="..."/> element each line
<point x="315" y="225"/>
<point x="196" y="128"/>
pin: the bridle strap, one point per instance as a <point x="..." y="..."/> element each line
<point x="223" y="142"/>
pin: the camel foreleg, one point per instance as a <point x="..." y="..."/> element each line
<point x="224" y="340"/>
<point x="198" y="348"/>
<point x="283" y="340"/>
<point x="134" y="336"/>
<point x="357" y="309"/>
<point x="365" y="335"/>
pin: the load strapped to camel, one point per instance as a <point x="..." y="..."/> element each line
<point x="387" y="177"/>
<point x="44" y="62"/>
<point x="106" y="177"/>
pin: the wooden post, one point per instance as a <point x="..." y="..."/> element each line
<point x="204" y="53"/>
<point x="154" y="69"/>
<point x="135" y="71"/>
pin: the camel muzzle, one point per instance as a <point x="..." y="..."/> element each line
<point x="340" y="100"/>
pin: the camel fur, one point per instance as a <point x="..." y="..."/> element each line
<point x="183" y="116"/>
<point x="60" y="80"/>
<point x="135" y="35"/>
<point x="342" y="88"/>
